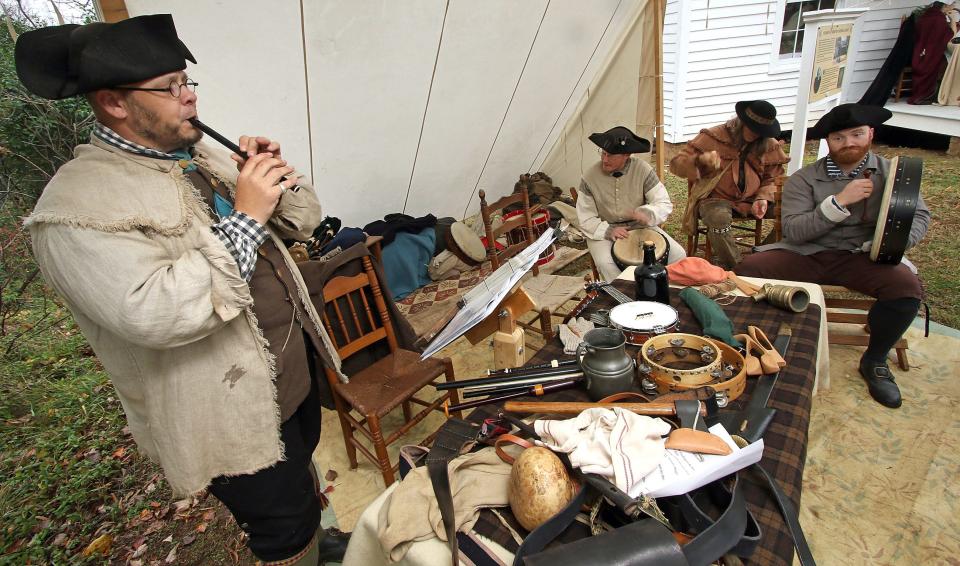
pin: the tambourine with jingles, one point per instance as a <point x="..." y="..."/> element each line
<point x="901" y="195"/>
<point x="681" y="362"/>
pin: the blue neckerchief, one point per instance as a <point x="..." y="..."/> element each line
<point x="184" y="155"/>
<point x="224" y="207"/>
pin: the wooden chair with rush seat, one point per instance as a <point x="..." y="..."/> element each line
<point x="548" y="292"/>
<point x="748" y="231"/>
<point x="394" y="380"/>
<point x="853" y="306"/>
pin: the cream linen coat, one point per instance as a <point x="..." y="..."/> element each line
<point x="126" y="240"/>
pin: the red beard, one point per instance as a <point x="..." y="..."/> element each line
<point x="850" y="155"/>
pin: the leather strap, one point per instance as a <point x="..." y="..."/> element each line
<point x="790" y="517"/>
<point x="545" y="533"/>
<point x="453" y="436"/>
<point x="509" y="439"/>
<point x="632" y="395"/>
<point x="688" y="412"/>
<point x="734" y="531"/>
<point x="643" y="543"/>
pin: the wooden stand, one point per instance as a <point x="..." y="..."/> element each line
<point x="509" y="350"/>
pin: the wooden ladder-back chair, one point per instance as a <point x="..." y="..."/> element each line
<point x="394" y="380"/>
<point x="838" y="297"/>
<point x="562" y="288"/>
<point x="904" y="86"/>
<point x="750" y="229"/>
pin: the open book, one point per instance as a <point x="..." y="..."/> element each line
<point x="480" y="301"/>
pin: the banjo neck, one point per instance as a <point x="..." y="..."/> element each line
<point x="617" y="294"/>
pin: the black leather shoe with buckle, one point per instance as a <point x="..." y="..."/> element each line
<point x="880" y="383"/>
<point x="333" y="546"/>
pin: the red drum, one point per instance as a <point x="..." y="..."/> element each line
<point x="540" y="221"/>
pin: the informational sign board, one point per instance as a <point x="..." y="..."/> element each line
<point x="830" y="60"/>
<point x="830" y="45"/>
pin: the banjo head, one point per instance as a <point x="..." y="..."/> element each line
<point x="901" y="195"/>
<point x="644" y="316"/>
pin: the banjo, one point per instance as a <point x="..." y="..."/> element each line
<point x="638" y="320"/>
<point x="901" y="194"/>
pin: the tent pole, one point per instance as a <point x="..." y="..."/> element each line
<point x="658" y="98"/>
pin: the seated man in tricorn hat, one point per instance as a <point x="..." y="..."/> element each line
<point x="731" y="167"/>
<point x="618" y="193"/>
<point x="829" y="214"/>
<point x="174" y="268"/>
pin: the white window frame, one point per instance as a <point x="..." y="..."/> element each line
<point x="784" y="64"/>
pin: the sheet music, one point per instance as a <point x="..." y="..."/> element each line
<point x="480" y="301"/>
<point x="680" y="472"/>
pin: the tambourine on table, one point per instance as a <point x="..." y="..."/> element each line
<point x="901" y="195"/>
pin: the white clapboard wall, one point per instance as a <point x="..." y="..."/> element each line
<point x="880" y="29"/>
<point x="717" y="52"/>
<point x="400" y="106"/>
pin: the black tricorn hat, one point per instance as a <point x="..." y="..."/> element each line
<point x="760" y="116"/>
<point x="620" y="140"/>
<point x="63" y="61"/>
<point x="850" y="115"/>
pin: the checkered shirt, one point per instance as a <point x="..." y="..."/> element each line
<point x="239" y="233"/>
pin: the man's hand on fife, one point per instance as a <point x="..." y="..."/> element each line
<point x="759" y="208"/>
<point x="259" y="144"/>
<point x="619" y="233"/>
<point x="643" y="217"/>
<point x="855" y="191"/>
<point x="252" y="145"/>
<point x="708" y="162"/>
<point x="258" y="185"/>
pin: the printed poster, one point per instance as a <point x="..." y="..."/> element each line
<point x="830" y="60"/>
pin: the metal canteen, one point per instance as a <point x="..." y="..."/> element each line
<point x="607" y="368"/>
<point x="793" y="299"/>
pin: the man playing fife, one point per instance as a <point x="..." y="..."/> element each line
<point x="174" y="268"/>
<point x="830" y="210"/>
<point x="618" y="193"/>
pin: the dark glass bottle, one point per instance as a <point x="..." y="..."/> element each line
<point x="653" y="284"/>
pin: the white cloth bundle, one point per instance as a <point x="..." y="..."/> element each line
<point x="615" y="443"/>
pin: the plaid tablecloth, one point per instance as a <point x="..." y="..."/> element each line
<point x="785" y="441"/>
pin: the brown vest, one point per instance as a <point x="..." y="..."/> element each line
<point x="278" y="308"/>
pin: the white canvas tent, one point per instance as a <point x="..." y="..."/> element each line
<point x="412" y="106"/>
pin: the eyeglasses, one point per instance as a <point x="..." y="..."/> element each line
<point x="602" y="152"/>
<point x="175" y="88"/>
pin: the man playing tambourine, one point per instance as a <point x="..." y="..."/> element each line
<point x="830" y="210"/>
